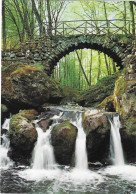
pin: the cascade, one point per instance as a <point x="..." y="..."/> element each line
<point x="81" y="161"/>
<point x="115" y="142"/>
<point x="43" y="155"/>
<point x="5" y="161"/>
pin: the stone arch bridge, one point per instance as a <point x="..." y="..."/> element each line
<point x="50" y="49"/>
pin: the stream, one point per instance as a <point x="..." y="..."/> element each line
<point x="44" y="175"/>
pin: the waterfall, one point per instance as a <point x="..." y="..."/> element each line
<point x="81" y="161"/>
<point x="115" y="142"/>
<point x="43" y="156"/>
<point x="5" y="161"/>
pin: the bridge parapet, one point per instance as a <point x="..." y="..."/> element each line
<point x="97" y="27"/>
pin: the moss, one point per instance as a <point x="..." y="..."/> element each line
<point x="14" y="123"/>
<point x="67" y="125"/>
<point x="107" y="99"/>
<point x="10" y="67"/>
<point x="25" y="115"/>
<point x="107" y="80"/>
<point x="29" y="114"/>
<point x="131" y="125"/>
<point x="120" y="87"/>
<point x="123" y="87"/>
<point x="3" y="108"/>
<point x="25" y="70"/>
<point x="96" y="94"/>
<point x="63" y="139"/>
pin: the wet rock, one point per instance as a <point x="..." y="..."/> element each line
<point x="129" y="145"/>
<point x="45" y="123"/>
<point x="97" y="128"/>
<point x="95" y="164"/>
<point x="22" y="134"/>
<point x="49" y="113"/>
<point x="63" y="138"/>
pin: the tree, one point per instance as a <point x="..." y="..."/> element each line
<point x="38" y="17"/>
<point x="99" y="66"/>
<point x="106" y="17"/>
<point x="132" y="17"/>
<point x="3" y="25"/>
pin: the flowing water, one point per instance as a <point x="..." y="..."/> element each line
<point x="80" y="151"/>
<point x="5" y="161"/>
<point x="115" y="145"/>
<point x="45" y="176"/>
<point x="43" y="156"/>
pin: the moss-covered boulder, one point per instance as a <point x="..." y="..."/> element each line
<point x="22" y="134"/>
<point x="97" y="128"/>
<point x="29" y="86"/>
<point x="63" y="139"/>
<point x="125" y="104"/>
<point x="96" y="94"/>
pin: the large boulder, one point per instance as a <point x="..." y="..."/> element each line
<point x="29" y="86"/>
<point x="124" y="101"/>
<point x="22" y="134"/>
<point x="97" y="128"/>
<point x="63" y="139"/>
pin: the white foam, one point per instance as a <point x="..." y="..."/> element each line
<point x="125" y="172"/>
<point x="39" y="175"/>
<point x="60" y="178"/>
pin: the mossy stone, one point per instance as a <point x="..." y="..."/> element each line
<point x="22" y="132"/>
<point x="63" y="139"/>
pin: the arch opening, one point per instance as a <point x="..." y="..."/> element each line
<point x="84" y="68"/>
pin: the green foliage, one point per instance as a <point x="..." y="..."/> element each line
<point x="107" y="80"/>
<point x="70" y="75"/>
<point x="18" y="30"/>
<point x="124" y="70"/>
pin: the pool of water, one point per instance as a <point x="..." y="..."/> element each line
<point x="64" y="179"/>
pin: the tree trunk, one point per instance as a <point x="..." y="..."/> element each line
<point x="3" y="25"/>
<point x="99" y="67"/>
<point x="91" y="63"/>
<point x="23" y="18"/>
<point x="49" y="18"/>
<point x="106" y="17"/>
<point x="107" y="66"/>
<point x="132" y="16"/>
<point x="38" y="17"/>
<point x="125" y="27"/>
<point x="114" y="66"/>
<point x="80" y="63"/>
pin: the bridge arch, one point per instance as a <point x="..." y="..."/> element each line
<point x="112" y="47"/>
<point x="49" y="50"/>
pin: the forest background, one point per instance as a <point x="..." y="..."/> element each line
<point x="25" y="20"/>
